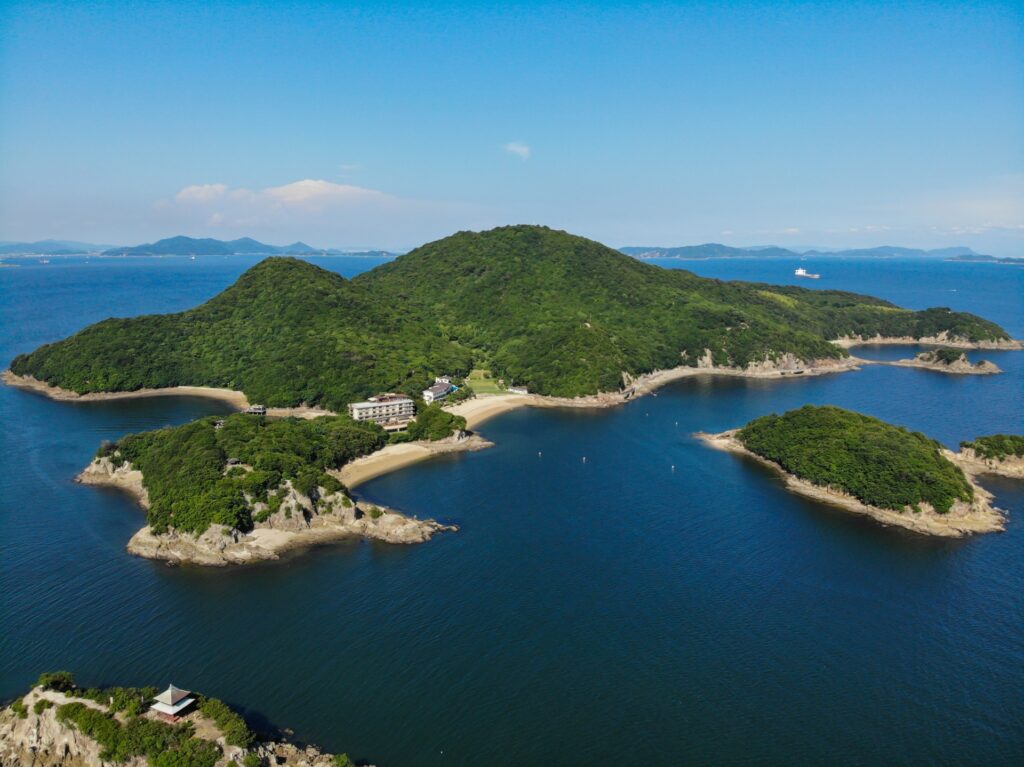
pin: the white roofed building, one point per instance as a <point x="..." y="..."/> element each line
<point x="172" y="702"/>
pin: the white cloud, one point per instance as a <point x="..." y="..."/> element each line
<point x="201" y="193"/>
<point x="519" y="149"/>
<point x="313" y="193"/>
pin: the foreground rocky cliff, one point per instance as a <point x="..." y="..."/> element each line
<point x="297" y="520"/>
<point x="34" y="734"/>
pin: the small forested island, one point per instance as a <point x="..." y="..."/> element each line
<point x="562" y="315"/>
<point x="59" y="724"/>
<point x="865" y="465"/>
<point x="244" y="488"/>
<point x="947" y="360"/>
<point x="996" y="454"/>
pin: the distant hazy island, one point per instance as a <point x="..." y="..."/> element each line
<point x="60" y="723"/>
<point x="979" y="258"/>
<point x="561" y="315"/>
<point x="867" y="466"/>
<point x="717" y="250"/>
<point x="179" y="246"/>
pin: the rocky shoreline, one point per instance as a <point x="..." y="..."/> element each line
<point x="962" y="366"/>
<point x="963" y="519"/>
<point x="972" y="463"/>
<point x="299" y="522"/>
<point x="942" y="339"/>
<point x="37" y="738"/>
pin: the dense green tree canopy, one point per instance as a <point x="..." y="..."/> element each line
<point x="186" y="473"/>
<point x="558" y="313"/>
<point x="880" y="464"/>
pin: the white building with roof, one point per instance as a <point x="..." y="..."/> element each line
<point x="172" y="702"/>
<point x="442" y="388"/>
<point x="383" y="409"/>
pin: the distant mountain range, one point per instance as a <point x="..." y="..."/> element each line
<point x="50" y="248"/>
<point x="245" y="246"/>
<point x="178" y="246"/>
<point x="716" y="250"/>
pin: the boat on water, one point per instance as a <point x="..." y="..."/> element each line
<point x="801" y="272"/>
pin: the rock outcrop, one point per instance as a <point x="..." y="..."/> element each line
<point x="298" y="521"/>
<point x="941" y="339"/>
<point x="960" y="365"/>
<point x="974" y="463"/>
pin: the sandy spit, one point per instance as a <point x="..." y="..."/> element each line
<point x="963" y="519"/>
<point x="394" y="457"/>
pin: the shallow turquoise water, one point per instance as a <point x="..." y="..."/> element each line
<point x="617" y="610"/>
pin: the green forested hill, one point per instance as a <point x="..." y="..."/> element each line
<point x="882" y="465"/>
<point x="561" y="314"/>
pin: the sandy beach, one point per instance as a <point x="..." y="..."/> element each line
<point x="394" y="457"/>
<point x="234" y="398"/>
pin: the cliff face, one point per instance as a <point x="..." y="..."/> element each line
<point x="298" y="521"/>
<point x="39" y="740"/>
<point x="1008" y="466"/>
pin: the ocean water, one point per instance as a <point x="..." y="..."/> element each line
<point x="659" y="604"/>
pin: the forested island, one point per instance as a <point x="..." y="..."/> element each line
<point x="58" y="723"/>
<point x="245" y="488"/>
<point x="560" y="314"/>
<point x="863" y="464"/>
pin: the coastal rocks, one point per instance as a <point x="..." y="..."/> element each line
<point x="941" y="339"/>
<point x="973" y="463"/>
<point x="39" y="740"/>
<point x="294" y="526"/>
<point x="298" y="521"/>
<point x="978" y="516"/>
<point x="103" y="472"/>
<point x="959" y="365"/>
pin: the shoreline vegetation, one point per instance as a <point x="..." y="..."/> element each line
<point x="57" y="723"/>
<point x="526" y="303"/>
<point x="531" y="304"/>
<point x="261" y="545"/>
<point x="935" y="494"/>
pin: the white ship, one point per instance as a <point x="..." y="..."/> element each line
<point x="801" y="272"/>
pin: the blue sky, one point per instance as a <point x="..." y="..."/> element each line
<point x="343" y="124"/>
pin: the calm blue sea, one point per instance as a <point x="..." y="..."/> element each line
<point x="660" y="604"/>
